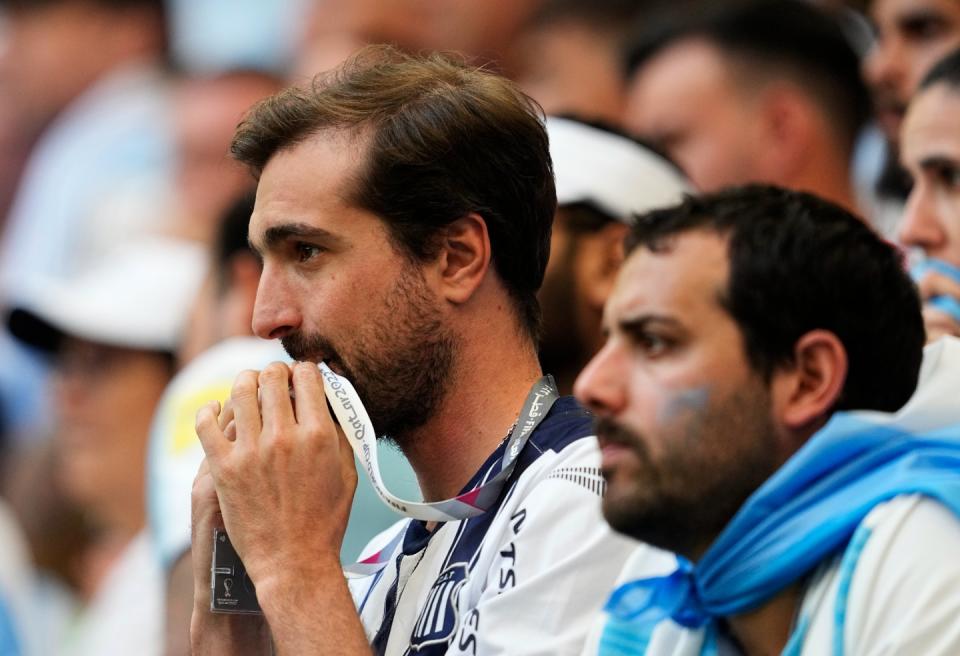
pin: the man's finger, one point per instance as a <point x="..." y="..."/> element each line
<point x="244" y="399"/>
<point x="936" y="284"/>
<point x="938" y="324"/>
<point x="311" y="407"/>
<point x="226" y="414"/>
<point x="208" y="430"/>
<point x="276" y="406"/>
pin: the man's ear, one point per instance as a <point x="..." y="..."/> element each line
<point x="806" y="391"/>
<point x="464" y="257"/>
<point x="607" y="258"/>
<point x="787" y="118"/>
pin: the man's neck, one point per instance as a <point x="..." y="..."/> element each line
<point x="764" y="631"/>
<point x="487" y="394"/>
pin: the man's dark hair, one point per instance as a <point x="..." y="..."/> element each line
<point x="945" y="71"/>
<point x="800" y="263"/>
<point x="769" y="39"/>
<point x="445" y="140"/>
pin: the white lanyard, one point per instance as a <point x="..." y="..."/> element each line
<point x="358" y="428"/>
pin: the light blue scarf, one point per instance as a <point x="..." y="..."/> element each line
<point x="805" y="513"/>
<point x="946" y="304"/>
<point x="9" y="642"/>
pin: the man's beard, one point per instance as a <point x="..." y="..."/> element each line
<point x="682" y="501"/>
<point x="400" y="363"/>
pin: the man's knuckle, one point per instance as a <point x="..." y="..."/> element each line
<point x="274" y="372"/>
<point x="245" y="385"/>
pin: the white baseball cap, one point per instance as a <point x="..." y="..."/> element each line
<point x="615" y="173"/>
<point x="137" y="297"/>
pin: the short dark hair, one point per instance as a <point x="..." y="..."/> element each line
<point x="945" y="71"/>
<point x="446" y="139"/>
<point x="775" y="39"/>
<point x="800" y="263"/>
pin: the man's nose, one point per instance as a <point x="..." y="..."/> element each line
<point x="920" y="225"/>
<point x="276" y="310"/>
<point x="601" y="386"/>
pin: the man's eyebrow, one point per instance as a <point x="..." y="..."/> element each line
<point x="642" y="321"/>
<point x="939" y="162"/>
<point x="278" y="234"/>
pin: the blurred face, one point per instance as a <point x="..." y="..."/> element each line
<point x="684" y="100"/>
<point x="207" y="113"/>
<point x="50" y="55"/>
<point x="684" y="424"/>
<point x="577" y="279"/>
<point x="563" y="344"/>
<point x="105" y="399"/>
<point x="930" y="150"/>
<point x="335" y="288"/>
<point x="572" y="70"/>
<point x="912" y="35"/>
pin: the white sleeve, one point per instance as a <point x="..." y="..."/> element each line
<point x="905" y="593"/>
<point x="558" y="561"/>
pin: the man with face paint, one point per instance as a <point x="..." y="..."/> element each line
<point x="403" y="217"/>
<point x="747" y="329"/>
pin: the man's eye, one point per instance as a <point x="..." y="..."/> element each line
<point x="652" y="345"/>
<point x="306" y="252"/>
<point x="949" y="176"/>
<point x="923" y="28"/>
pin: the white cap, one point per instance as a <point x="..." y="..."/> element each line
<point x="137" y="297"/>
<point x="618" y="175"/>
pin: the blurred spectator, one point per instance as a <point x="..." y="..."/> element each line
<point x="110" y="110"/>
<point x="54" y="50"/>
<point x="88" y="73"/>
<point x="930" y="142"/>
<point x="482" y="30"/>
<point x="206" y="180"/>
<point x="57" y="537"/>
<point x="755" y="91"/>
<point x="113" y="331"/>
<point x="603" y="179"/>
<point x="910" y="35"/>
<point x="568" y="58"/>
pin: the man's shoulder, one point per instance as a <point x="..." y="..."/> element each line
<point x="565" y="424"/>
<point x="897" y="582"/>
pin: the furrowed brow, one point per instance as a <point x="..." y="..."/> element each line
<point x="277" y="235"/>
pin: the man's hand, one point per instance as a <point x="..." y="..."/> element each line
<point x="283" y="478"/>
<point x="937" y="322"/>
<point x="216" y="633"/>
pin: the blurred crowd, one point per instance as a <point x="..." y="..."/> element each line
<point x="127" y="286"/>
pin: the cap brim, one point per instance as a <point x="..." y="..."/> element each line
<point x="34" y="331"/>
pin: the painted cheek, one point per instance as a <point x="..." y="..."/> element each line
<point x="681" y="403"/>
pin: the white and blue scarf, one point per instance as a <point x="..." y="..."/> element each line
<point x="806" y="512"/>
